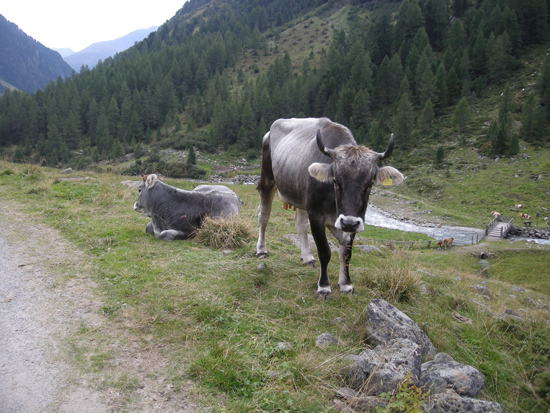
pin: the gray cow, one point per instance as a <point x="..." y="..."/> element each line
<point x="316" y="166"/>
<point x="176" y="213"/>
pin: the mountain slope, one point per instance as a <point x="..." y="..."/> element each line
<point x="102" y="50"/>
<point x="25" y="63"/>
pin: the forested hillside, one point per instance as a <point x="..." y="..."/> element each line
<point x="219" y="72"/>
<point x="25" y="63"/>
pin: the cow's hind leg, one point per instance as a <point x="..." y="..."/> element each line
<point x="301" y="221"/>
<point x="266" y="187"/>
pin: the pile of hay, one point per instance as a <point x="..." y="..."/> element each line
<point x="223" y="233"/>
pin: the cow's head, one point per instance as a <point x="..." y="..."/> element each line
<point x="144" y="203"/>
<point x="353" y="171"/>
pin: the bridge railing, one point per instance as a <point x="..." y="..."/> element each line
<point x="489" y="227"/>
<point x="506" y="228"/>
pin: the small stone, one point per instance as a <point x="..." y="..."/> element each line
<point x="325" y="340"/>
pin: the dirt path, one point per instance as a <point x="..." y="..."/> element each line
<point x="41" y="308"/>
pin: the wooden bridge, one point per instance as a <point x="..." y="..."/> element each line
<point x="499" y="227"/>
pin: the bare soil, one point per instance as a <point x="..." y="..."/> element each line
<point x="47" y="299"/>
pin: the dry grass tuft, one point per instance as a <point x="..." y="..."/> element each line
<point x="395" y="281"/>
<point x="220" y="233"/>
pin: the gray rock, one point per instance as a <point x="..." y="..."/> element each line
<point x="367" y="248"/>
<point x="484" y="291"/>
<point x="283" y="346"/>
<point x="530" y="301"/>
<point x="382" y="369"/>
<point x="450" y="402"/>
<point x="465" y="380"/>
<point x="385" y="322"/>
<point x="67" y="171"/>
<point x="325" y="340"/>
<point x="485" y="267"/>
<point x="359" y="402"/>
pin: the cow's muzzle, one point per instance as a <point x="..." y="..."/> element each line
<point x="349" y="223"/>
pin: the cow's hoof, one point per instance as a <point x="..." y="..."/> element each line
<point x="323" y="293"/>
<point x="310" y="263"/>
<point x="261" y="255"/>
<point x="347" y="289"/>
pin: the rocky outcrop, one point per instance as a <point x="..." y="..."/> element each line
<point x="382" y="369"/>
<point x="528" y="232"/>
<point x="448" y="386"/>
<point x="385" y="322"/>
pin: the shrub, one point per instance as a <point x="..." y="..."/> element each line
<point x="231" y="232"/>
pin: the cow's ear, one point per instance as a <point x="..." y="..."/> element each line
<point x="321" y="171"/>
<point x="150" y="182"/>
<point x="388" y="175"/>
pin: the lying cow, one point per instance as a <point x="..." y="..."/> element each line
<point x="316" y="166"/>
<point x="175" y="213"/>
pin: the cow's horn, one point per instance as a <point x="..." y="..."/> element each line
<point x="389" y="149"/>
<point x="322" y="146"/>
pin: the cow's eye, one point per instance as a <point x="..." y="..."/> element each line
<point x="336" y="184"/>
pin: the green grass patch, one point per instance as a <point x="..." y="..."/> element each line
<point x="248" y="331"/>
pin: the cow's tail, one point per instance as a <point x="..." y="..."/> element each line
<point x="266" y="177"/>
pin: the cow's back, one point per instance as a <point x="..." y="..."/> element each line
<point x="293" y="147"/>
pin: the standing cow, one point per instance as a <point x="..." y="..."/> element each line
<point x="176" y="213"/>
<point x="316" y="165"/>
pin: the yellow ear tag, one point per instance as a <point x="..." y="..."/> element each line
<point x="388" y="181"/>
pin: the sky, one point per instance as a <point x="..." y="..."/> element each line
<point x="76" y="24"/>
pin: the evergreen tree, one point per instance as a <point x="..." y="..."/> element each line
<point x="506" y="105"/>
<point x="117" y="149"/>
<point x="440" y="85"/>
<point x="360" y="110"/>
<point x="376" y="137"/>
<point x="498" y="138"/>
<point x="426" y="116"/>
<point x="543" y="85"/>
<point x="514" y="146"/>
<point x="461" y="114"/>
<point x="191" y="157"/>
<point x="439" y="155"/>
<point x="404" y="120"/>
<point x="436" y="17"/>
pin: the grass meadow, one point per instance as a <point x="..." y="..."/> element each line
<point x="220" y="317"/>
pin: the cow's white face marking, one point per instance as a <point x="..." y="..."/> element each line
<point x="348" y="223"/>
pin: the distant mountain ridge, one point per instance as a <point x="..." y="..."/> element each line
<point x="25" y="63"/>
<point x="102" y="50"/>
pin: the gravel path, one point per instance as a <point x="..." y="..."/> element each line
<point x="35" y="315"/>
<point x="47" y="298"/>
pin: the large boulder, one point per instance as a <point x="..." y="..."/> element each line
<point x="385" y="322"/>
<point x="443" y="372"/>
<point x="382" y="369"/>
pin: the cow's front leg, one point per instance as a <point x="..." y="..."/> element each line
<point x="323" y="250"/>
<point x="344" y="280"/>
<point x="300" y="221"/>
<point x="149" y="228"/>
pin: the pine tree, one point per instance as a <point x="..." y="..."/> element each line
<point x="439" y="155"/>
<point x="514" y="146"/>
<point x="440" y="85"/>
<point x="461" y="115"/>
<point x="426" y="116"/>
<point x="360" y="109"/>
<point x="404" y="120"/>
<point x="191" y="157"/>
<point x="543" y="85"/>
